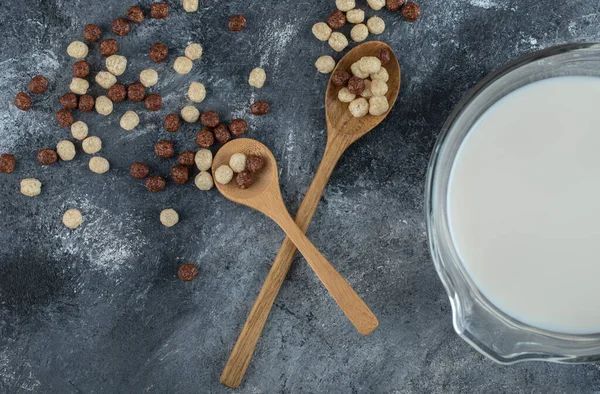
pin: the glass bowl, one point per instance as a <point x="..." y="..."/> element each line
<point x="480" y="323"/>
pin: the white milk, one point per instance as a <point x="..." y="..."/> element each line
<point x="524" y="204"/>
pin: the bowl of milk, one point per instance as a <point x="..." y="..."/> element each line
<point x="513" y="209"/>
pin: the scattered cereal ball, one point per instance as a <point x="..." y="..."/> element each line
<point x="411" y="12"/>
<point x="31" y="187"/>
<point x="378" y="105"/>
<point x="238" y="127"/>
<point x="153" y="102"/>
<point x="99" y="165"/>
<point x="260" y="108"/>
<point x="222" y="133"/>
<point x="182" y="65"/>
<point x="7" y="163"/>
<point x="68" y="101"/>
<point x="254" y="163"/>
<point x="22" y="101"/>
<point x="92" y="145"/>
<point x="394" y="5"/>
<point x="244" y="179"/>
<point x="129" y="120"/>
<point x="359" y="107"/>
<point x="345" y="96"/>
<point x="357" y="72"/>
<point x="159" y="10"/>
<point x="79" y="86"/>
<point x="117" y="93"/>
<point x="65" y="118"/>
<point x="120" y="27"/>
<point x="325" y="64"/>
<point x="38" y="84"/>
<point x="376" y="25"/>
<point x="81" y="69"/>
<point x="65" y="150"/>
<point x="72" y="218"/>
<point x="205" y="138"/>
<point x="180" y="174"/>
<point x="108" y="47"/>
<point x="237" y="23"/>
<point x="338" y="41"/>
<point x="116" y="64"/>
<point x="79" y="130"/>
<point x="139" y="170"/>
<point x="77" y="50"/>
<point x="86" y="103"/>
<point x="193" y="51"/>
<point x="103" y="105"/>
<point x="322" y="31"/>
<point x="169" y="218"/>
<point x="376" y="4"/>
<point x="203" y="159"/>
<point x="171" y="123"/>
<point x="336" y="20"/>
<point x="366" y="93"/>
<point x="345" y="5"/>
<point x="149" y="77"/>
<point x="190" y="5"/>
<point x="196" y="92"/>
<point x="105" y="79"/>
<point x="355" y="16"/>
<point x="210" y="119"/>
<point x="92" y="32"/>
<point x="164" y="149"/>
<point x="190" y="114"/>
<point x="369" y="65"/>
<point x="381" y="75"/>
<point x="158" y="52"/>
<point x="187" y="272"/>
<point x="378" y="88"/>
<point x="135" y="14"/>
<point x="237" y="162"/>
<point x="47" y="157"/>
<point x="356" y="85"/>
<point x="224" y="174"/>
<point x="204" y="181"/>
<point x="359" y="32"/>
<point x="155" y="184"/>
<point x="136" y="92"/>
<point x="257" y="77"/>
<point x="186" y="158"/>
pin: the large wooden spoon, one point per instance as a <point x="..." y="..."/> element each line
<point x="342" y="131"/>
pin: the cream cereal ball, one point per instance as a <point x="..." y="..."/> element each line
<point x="72" y="218"/>
<point x="359" y="107"/>
<point x="237" y="162"/>
<point x="257" y="77"/>
<point x="357" y="72"/>
<point x="376" y="25"/>
<point x="91" y="145"/>
<point x="376" y="4"/>
<point x="345" y="5"/>
<point x="197" y="92"/>
<point x="104" y="106"/>
<point x="338" y="42"/>
<point x="99" y="165"/>
<point x="116" y="64"/>
<point x="193" y="51"/>
<point x="346" y="96"/>
<point x="190" y="5"/>
<point x="169" y="217"/>
<point x="355" y="16"/>
<point x="77" y="50"/>
<point x="224" y="174"/>
<point x="325" y="64"/>
<point x="204" y="181"/>
<point x="182" y="65"/>
<point x="65" y="150"/>
<point x="190" y="114"/>
<point x="369" y="64"/>
<point x="378" y="88"/>
<point x="322" y="31"/>
<point x="105" y="79"/>
<point x="79" y="86"/>
<point x="79" y="130"/>
<point x="359" y="32"/>
<point x="31" y="187"/>
<point x="129" y="120"/>
<point x="381" y="75"/>
<point x="203" y="159"/>
<point x="149" y="77"/>
<point x="378" y="105"/>
<point x="366" y="93"/>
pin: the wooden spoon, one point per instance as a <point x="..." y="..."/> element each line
<point x="265" y="197"/>
<point x="342" y="130"/>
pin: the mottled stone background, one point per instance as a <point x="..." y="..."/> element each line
<point x="100" y="310"/>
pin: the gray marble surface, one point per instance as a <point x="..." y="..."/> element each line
<point x="100" y="309"/>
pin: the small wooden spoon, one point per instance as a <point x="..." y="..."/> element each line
<point x="265" y="197"/>
<point x="342" y="131"/>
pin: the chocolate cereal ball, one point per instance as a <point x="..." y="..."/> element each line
<point x="187" y="272"/>
<point x="186" y="158"/>
<point x="153" y="102"/>
<point x="22" y="101"/>
<point x="7" y="163"/>
<point x="244" y="179"/>
<point x="238" y="127"/>
<point x="164" y="149"/>
<point x="237" y="23"/>
<point x="108" y="47"/>
<point x="260" y="108"/>
<point x="384" y="56"/>
<point x="135" y="14"/>
<point x="92" y="32"/>
<point x="222" y="133"/>
<point x="117" y="93"/>
<point x="47" y="157"/>
<point x="180" y="174"/>
<point x="336" y="20"/>
<point x="120" y="27"/>
<point x="356" y="85"/>
<point x="205" y="138"/>
<point x="209" y="119"/>
<point x="81" y="69"/>
<point x="158" y="52"/>
<point x="411" y="12"/>
<point x="136" y="92"/>
<point x="68" y="101"/>
<point x="394" y="5"/>
<point x="159" y="10"/>
<point x="171" y="123"/>
<point x="86" y="103"/>
<point x="254" y="163"/>
<point x="64" y="118"/>
<point x="340" y="78"/>
<point x="155" y="183"/>
<point x="38" y="84"/>
<point x="139" y="170"/>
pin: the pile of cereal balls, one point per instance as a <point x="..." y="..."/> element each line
<point x="243" y="167"/>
